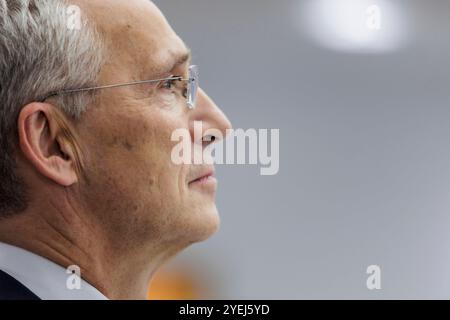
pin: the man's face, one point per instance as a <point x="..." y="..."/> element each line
<point x="130" y="182"/>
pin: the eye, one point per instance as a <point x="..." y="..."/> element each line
<point x="168" y="84"/>
<point x="169" y="90"/>
<point x="175" y="86"/>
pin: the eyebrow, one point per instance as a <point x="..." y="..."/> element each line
<point x="177" y="61"/>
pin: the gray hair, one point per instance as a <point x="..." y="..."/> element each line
<point x="40" y="53"/>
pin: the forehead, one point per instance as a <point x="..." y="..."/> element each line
<point x="137" y="35"/>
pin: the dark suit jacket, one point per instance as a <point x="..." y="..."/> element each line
<point x="11" y="289"/>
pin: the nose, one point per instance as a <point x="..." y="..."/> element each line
<point x="215" y="123"/>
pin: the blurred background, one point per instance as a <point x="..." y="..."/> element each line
<point x="359" y="91"/>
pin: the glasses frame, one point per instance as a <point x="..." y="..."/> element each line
<point x="191" y="95"/>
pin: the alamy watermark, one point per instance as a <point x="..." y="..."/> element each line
<point x="240" y="147"/>
<point x="373" y="282"/>
<point x="373" y="21"/>
<point x="73" y="14"/>
<point x="73" y="281"/>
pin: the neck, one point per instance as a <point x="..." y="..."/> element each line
<point x="68" y="238"/>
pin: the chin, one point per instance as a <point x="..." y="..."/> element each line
<point x="204" y="223"/>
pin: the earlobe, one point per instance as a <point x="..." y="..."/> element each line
<point x="43" y="144"/>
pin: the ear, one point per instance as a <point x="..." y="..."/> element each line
<point x="44" y="144"/>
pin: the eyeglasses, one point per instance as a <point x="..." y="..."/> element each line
<point x="190" y="93"/>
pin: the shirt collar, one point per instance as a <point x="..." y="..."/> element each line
<point x="43" y="277"/>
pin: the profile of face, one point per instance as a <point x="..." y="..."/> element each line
<point x="129" y="181"/>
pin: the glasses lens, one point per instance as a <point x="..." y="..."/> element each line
<point x="192" y="87"/>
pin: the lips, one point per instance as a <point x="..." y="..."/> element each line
<point x="203" y="175"/>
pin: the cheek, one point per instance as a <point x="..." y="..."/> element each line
<point x="138" y="156"/>
<point x="155" y="156"/>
